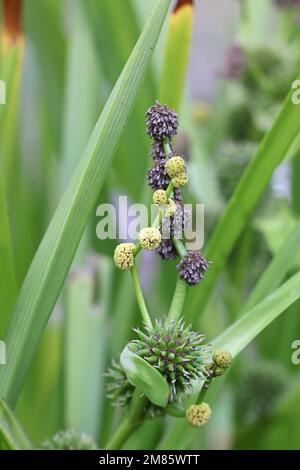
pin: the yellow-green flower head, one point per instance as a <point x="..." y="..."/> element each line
<point x="180" y="181"/>
<point x="222" y="358"/>
<point x="171" y="209"/>
<point x="198" y="415"/>
<point x="160" y="197"/>
<point x="175" y="166"/>
<point x="124" y="255"/>
<point x="149" y="238"/>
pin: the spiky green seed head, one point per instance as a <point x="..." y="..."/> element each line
<point x="70" y="440"/>
<point x="175" y="166"/>
<point x="198" y="415"/>
<point x="222" y="358"/>
<point x="118" y="388"/>
<point x="171" y="208"/>
<point x="176" y="351"/>
<point x="160" y="197"/>
<point x="124" y="255"/>
<point x="180" y="181"/>
<point x="149" y="238"/>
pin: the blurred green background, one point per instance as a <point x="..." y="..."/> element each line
<point x="242" y="60"/>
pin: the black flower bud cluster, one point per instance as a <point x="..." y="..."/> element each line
<point x="192" y="267"/>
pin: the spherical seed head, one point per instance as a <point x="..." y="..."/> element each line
<point x="70" y="440"/>
<point x="192" y="267"/>
<point x="124" y="255"/>
<point x="157" y="176"/>
<point x="160" y="197"/>
<point x="175" y="166"/>
<point x="118" y="388"/>
<point x="149" y="238"/>
<point x="167" y="250"/>
<point x="161" y="122"/>
<point x="222" y="358"/>
<point x="198" y="415"/>
<point x="176" y="351"/>
<point x="180" y="181"/>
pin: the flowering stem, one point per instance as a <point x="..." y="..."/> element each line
<point x="180" y="248"/>
<point x="203" y="390"/>
<point x="129" y="424"/>
<point x="140" y="297"/>
<point x="178" y="300"/>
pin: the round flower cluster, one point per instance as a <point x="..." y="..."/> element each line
<point x="124" y="256"/>
<point x="198" y="415"/>
<point x="192" y="267"/>
<point x="176" y="351"/>
<point x="149" y="238"/>
<point x="161" y="122"/>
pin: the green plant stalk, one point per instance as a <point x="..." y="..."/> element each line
<point x="51" y="263"/>
<point x="140" y="298"/>
<point x="178" y="300"/>
<point x="270" y="153"/>
<point x="128" y="425"/>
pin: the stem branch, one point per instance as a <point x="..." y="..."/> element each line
<point x="140" y="297"/>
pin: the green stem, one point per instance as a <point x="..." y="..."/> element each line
<point x="203" y="391"/>
<point x="180" y="248"/>
<point x="178" y="300"/>
<point x="140" y="297"/>
<point x="128" y="425"/>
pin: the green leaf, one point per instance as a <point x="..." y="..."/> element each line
<point x="244" y="330"/>
<point x="12" y="436"/>
<point x="271" y="152"/>
<point x="145" y="377"/>
<point x="277" y="269"/>
<point x="7" y="274"/>
<point x="176" y="54"/>
<point x="84" y="343"/>
<point x="51" y="263"/>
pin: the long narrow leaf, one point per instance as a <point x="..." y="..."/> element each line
<point x="277" y="269"/>
<point x="54" y="256"/>
<point x="270" y="153"/>
<point x="12" y="436"/>
<point x="244" y="330"/>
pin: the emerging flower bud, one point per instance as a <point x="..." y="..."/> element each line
<point x="180" y="181"/>
<point x="124" y="256"/>
<point x="198" y="415"/>
<point x="192" y="267"/>
<point x="222" y="358"/>
<point x="161" y="122"/>
<point x="149" y="238"/>
<point x="160" y="197"/>
<point x="175" y="166"/>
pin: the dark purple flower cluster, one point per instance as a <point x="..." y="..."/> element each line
<point x="157" y="176"/>
<point x="167" y="250"/>
<point x="161" y="122"/>
<point x="157" y="150"/>
<point x="192" y="267"/>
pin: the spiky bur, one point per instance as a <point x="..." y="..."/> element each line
<point x="70" y="440"/>
<point x="261" y="387"/>
<point x="192" y="267"/>
<point x="118" y="389"/>
<point x="176" y="351"/>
